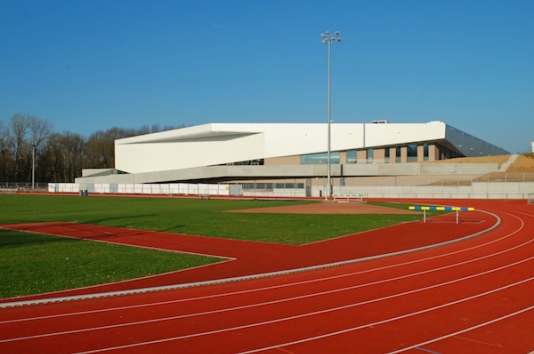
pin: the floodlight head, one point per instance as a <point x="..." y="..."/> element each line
<point x="339" y="39"/>
<point x="322" y="35"/>
<point x="325" y="41"/>
<point x="327" y="33"/>
<point x="337" y="33"/>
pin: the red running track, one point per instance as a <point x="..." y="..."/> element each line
<point x="472" y="296"/>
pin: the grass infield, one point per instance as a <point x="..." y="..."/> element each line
<point x="34" y="264"/>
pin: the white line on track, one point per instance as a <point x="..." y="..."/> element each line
<point x="249" y="277"/>
<point x="310" y="314"/>
<point x="399" y="318"/>
<point x="286" y="300"/>
<point x="306" y="296"/>
<point x="269" y="288"/>
<point x="467" y="329"/>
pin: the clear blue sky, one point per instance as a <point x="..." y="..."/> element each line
<point x="92" y="65"/>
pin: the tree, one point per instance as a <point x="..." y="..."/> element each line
<point x="16" y="135"/>
<point x="5" y="158"/>
<point x="100" y="148"/>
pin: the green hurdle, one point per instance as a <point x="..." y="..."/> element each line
<point x="438" y="208"/>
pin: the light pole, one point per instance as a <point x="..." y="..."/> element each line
<point x="327" y="39"/>
<point x="33" y="167"/>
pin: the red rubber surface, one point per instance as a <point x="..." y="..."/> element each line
<point x="472" y="296"/>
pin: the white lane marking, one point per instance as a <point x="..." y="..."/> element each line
<point x="395" y="319"/>
<point x="288" y="284"/>
<point x="285" y="300"/>
<point x="307" y="315"/>
<point x="526" y="309"/>
<point x="247" y="277"/>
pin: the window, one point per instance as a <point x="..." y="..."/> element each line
<point x="412" y="153"/>
<point x="320" y="159"/>
<point x="352" y="157"/>
<point x="370" y="155"/>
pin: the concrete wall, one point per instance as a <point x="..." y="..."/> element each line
<point x="475" y="191"/>
<point x="284" y="160"/>
<point x="284" y="171"/>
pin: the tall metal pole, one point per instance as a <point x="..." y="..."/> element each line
<point x="329" y="184"/>
<point x="327" y="39"/>
<point x="33" y="167"/>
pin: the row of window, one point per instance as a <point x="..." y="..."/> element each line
<point x="352" y="156"/>
<point x="270" y="186"/>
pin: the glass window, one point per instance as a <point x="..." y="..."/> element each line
<point x="412" y="153"/>
<point x="425" y="146"/>
<point x="320" y="159"/>
<point x="397" y="154"/>
<point x="370" y="155"/>
<point x="352" y="156"/>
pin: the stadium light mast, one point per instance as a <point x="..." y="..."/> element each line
<point x="327" y="39"/>
<point x="33" y="167"/>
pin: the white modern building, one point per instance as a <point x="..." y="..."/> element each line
<point x="278" y="153"/>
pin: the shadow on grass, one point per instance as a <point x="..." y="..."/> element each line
<point x="10" y="239"/>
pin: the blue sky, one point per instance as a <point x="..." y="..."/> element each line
<point x="92" y="65"/>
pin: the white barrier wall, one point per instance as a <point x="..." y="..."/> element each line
<point x="63" y="187"/>
<point x="114" y="188"/>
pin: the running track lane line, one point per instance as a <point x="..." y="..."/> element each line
<point x="280" y="301"/>
<point x="457" y="280"/>
<point x="528" y="215"/>
<point x="300" y="282"/>
<point x="480" y="325"/>
<point x="328" y="334"/>
<point x="297" y="283"/>
<point x="263" y="275"/>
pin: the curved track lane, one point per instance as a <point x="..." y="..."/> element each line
<point x="470" y="296"/>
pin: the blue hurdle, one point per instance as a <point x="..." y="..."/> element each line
<point x="446" y="208"/>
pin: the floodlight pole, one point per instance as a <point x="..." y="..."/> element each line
<point x="327" y="39"/>
<point x="33" y="167"/>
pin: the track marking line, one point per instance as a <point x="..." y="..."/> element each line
<point x="285" y="285"/>
<point x="498" y="345"/>
<point x="347" y="330"/>
<point x="427" y="350"/>
<point x="397" y="265"/>
<point x="257" y="276"/>
<point x="171" y="318"/>
<point x="273" y="302"/>
<point x="285" y="351"/>
<point x="455" y="334"/>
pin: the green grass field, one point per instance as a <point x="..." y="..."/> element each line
<point x="35" y="264"/>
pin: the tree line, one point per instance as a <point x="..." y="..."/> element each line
<point x="58" y="157"/>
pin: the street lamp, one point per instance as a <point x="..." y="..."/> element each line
<point x="33" y="167"/>
<point x="327" y="39"/>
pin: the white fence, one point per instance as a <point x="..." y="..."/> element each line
<point x="165" y="189"/>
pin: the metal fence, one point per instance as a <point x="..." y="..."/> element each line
<point x="14" y="187"/>
<point x="432" y="180"/>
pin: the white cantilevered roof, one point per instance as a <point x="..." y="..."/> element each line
<point x="215" y="144"/>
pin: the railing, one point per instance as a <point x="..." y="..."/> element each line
<point x="20" y="187"/>
<point x="436" y="180"/>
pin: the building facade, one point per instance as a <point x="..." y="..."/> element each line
<point x="274" y="153"/>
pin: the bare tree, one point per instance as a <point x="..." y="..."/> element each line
<point x="100" y="147"/>
<point x="40" y="130"/>
<point x="5" y="159"/>
<point x="18" y="128"/>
